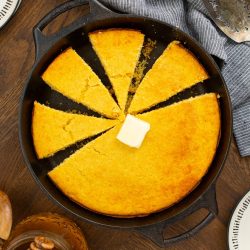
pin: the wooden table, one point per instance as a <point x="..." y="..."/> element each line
<point x="16" y="59"/>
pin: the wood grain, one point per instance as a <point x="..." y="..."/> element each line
<point x="16" y="59"/>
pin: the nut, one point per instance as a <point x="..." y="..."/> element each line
<point x="44" y="242"/>
<point x="41" y="242"/>
<point x="5" y="216"/>
<point x="33" y="246"/>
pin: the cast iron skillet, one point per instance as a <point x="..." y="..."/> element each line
<point x="75" y="35"/>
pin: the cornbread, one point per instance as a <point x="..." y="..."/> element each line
<point x="112" y="178"/>
<point x="70" y="75"/>
<point x="175" y="70"/>
<point x="118" y="51"/>
<point x="53" y="130"/>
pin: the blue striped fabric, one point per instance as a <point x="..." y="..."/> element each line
<point x="192" y="17"/>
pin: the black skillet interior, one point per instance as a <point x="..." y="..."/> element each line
<point x="36" y="89"/>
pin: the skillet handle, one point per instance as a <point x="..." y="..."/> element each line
<point x="156" y="233"/>
<point x="43" y="42"/>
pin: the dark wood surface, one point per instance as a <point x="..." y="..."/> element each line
<point x="16" y="59"/>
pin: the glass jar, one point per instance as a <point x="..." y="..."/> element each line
<point x="64" y="233"/>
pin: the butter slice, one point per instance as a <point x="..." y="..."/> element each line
<point x="133" y="131"/>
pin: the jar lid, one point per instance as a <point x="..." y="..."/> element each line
<point x="7" y="10"/>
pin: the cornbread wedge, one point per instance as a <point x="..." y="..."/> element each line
<point x="53" y="130"/>
<point x="118" y="51"/>
<point x="112" y="178"/>
<point x="175" y="70"/>
<point x="70" y="75"/>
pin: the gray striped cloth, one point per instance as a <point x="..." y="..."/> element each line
<point x="192" y="17"/>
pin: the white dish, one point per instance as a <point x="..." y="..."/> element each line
<point x="7" y="9"/>
<point x="239" y="228"/>
<point x="19" y="2"/>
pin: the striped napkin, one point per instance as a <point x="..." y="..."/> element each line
<point x="192" y="17"/>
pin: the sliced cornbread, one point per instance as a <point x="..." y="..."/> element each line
<point x="118" y="51"/>
<point x="175" y="70"/>
<point x="53" y="130"/>
<point x="112" y="178"/>
<point x="70" y="75"/>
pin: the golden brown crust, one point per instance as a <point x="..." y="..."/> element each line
<point x="175" y="70"/>
<point x="54" y="130"/>
<point x="118" y="51"/>
<point x="120" y="181"/>
<point x="70" y="75"/>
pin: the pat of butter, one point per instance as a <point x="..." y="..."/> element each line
<point x="133" y="131"/>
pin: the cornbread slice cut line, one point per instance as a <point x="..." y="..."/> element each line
<point x="70" y="75"/>
<point x="175" y="70"/>
<point x="119" y="51"/>
<point x="111" y="178"/>
<point x="54" y="130"/>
